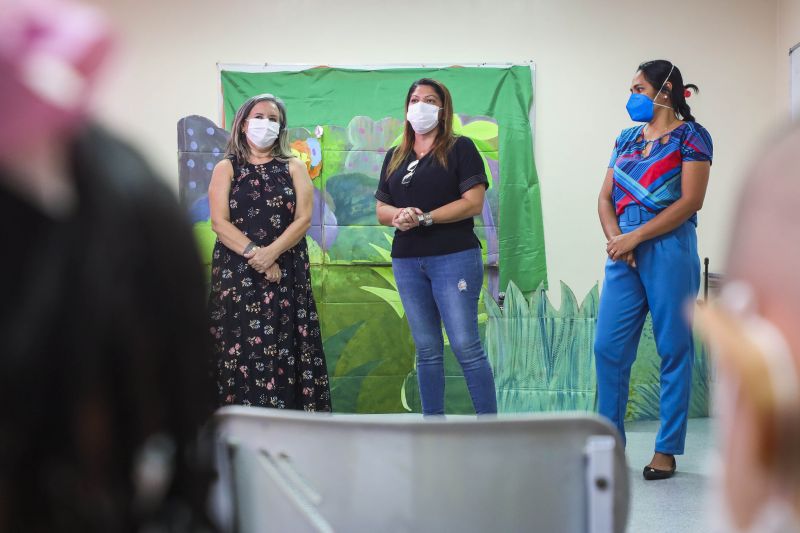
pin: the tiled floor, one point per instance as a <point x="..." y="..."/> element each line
<point x="675" y="505"/>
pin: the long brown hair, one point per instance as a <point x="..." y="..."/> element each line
<point x="237" y="144"/>
<point x="444" y="130"/>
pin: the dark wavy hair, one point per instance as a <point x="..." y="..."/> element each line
<point x="656" y="72"/>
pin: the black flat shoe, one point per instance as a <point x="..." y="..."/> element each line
<point x="651" y="474"/>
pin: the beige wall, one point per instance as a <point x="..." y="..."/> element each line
<point x="788" y="35"/>
<point x="585" y="53"/>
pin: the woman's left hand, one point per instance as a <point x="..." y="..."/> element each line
<point x="620" y="245"/>
<point x="262" y="259"/>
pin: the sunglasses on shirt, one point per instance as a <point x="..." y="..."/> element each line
<point x="406" y="181"/>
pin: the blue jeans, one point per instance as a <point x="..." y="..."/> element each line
<point x="446" y="288"/>
<point x="666" y="278"/>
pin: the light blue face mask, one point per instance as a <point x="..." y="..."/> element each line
<point x="641" y="107"/>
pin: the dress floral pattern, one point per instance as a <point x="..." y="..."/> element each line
<point x="267" y="339"/>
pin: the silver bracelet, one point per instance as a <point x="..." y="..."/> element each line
<point x="249" y="248"/>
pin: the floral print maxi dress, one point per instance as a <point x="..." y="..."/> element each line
<point x="267" y="338"/>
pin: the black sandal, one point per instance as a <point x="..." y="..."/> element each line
<point x="651" y="474"/>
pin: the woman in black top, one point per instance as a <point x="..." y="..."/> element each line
<point x="431" y="186"/>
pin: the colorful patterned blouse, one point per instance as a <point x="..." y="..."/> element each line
<point x="654" y="182"/>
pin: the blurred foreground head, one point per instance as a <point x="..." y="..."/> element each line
<point x="753" y="331"/>
<point x="104" y="377"/>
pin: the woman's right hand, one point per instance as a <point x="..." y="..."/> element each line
<point x="406" y="218"/>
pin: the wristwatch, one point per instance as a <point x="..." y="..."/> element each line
<point x="425" y="219"/>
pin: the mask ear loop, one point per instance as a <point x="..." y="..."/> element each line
<point x="671" y="68"/>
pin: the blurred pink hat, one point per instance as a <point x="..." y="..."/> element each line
<point x="50" y="53"/>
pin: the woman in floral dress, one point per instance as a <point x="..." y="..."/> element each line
<point x="264" y="320"/>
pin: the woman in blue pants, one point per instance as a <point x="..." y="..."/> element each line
<point x="655" y="184"/>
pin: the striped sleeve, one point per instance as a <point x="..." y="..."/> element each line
<point x="696" y="144"/>
<point x="470" y="169"/>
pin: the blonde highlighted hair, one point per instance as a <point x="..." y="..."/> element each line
<point x="237" y="144"/>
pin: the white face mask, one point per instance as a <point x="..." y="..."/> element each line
<point x="423" y="117"/>
<point x="262" y="132"/>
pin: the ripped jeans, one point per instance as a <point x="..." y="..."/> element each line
<point x="445" y="288"/>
